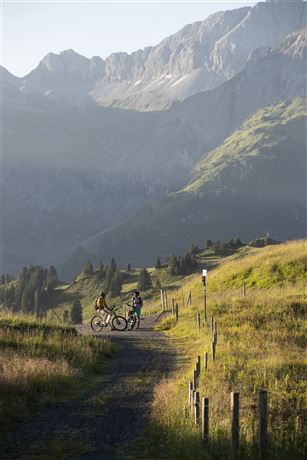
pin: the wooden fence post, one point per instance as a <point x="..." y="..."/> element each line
<point x="173" y="306"/>
<point x="205" y="420"/>
<point x="235" y="426"/>
<point x="212" y="325"/>
<point x="198" y="320"/>
<point x="198" y="365"/>
<point x="189" y="301"/>
<point x="190" y="398"/>
<point x="206" y="360"/>
<point x="205" y="303"/>
<point x="197" y="408"/>
<point x="263" y="424"/>
<point x="213" y="350"/>
<point x="194" y="379"/>
<point x="162" y="300"/>
<point x="166" y="301"/>
<point x="177" y="312"/>
<point x="182" y="297"/>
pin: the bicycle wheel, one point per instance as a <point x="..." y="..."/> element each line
<point x="119" y="323"/>
<point x="131" y="321"/>
<point x="97" y="323"/>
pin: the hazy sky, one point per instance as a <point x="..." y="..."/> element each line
<point x="30" y="30"/>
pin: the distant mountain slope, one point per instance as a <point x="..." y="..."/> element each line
<point x="95" y="167"/>
<point x="199" y="57"/>
<point x="255" y="182"/>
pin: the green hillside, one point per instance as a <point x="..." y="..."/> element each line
<point x="261" y="343"/>
<point x="262" y="138"/>
<point x="251" y="184"/>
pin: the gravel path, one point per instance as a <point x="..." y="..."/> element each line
<point x="104" y="422"/>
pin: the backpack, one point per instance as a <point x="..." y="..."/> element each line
<point x="138" y="302"/>
<point x="99" y="304"/>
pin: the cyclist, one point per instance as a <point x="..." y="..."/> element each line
<point x="101" y="306"/>
<point x="137" y="303"/>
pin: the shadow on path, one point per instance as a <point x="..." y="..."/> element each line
<point x="103" y="421"/>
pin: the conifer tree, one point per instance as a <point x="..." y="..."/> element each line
<point x="158" y="263"/>
<point x="100" y="270"/>
<point x="88" y="268"/>
<point x="238" y="242"/>
<point x="26" y="300"/>
<point x="52" y="272"/>
<point x="173" y="265"/>
<point x="129" y="268"/>
<point x="37" y="302"/>
<point x="116" y="284"/>
<point x="208" y="244"/>
<point x="111" y="269"/>
<point x="76" y="312"/>
<point x="144" y="280"/>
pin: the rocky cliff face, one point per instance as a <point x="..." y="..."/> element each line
<point x="199" y="57"/>
<point x="73" y="174"/>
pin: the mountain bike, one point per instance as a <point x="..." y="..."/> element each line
<point x="132" y="317"/>
<point x="108" y="318"/>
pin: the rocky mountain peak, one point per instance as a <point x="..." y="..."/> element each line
<point x="295" y="44"/>
<point x="69" y="64"/>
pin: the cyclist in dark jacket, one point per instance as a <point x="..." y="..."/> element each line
<point x="137" y="303"/>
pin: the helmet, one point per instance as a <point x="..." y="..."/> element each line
<point x="102" y="294"/>
<point x="136" y="292"/>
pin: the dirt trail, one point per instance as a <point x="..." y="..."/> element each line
<point x="104" y="422"/>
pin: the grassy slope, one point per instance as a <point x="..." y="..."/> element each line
<point x="42" y="361"/>
<point x="260" y="344"/>
<point x="225" y="199"/>
<point x="255" y="141"/>
<point x="87" y="288"/>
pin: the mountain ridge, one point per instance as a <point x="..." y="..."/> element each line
<point x="95" y="166"/>
<point x="228" y="200"/>
<point x="199" y="57"/>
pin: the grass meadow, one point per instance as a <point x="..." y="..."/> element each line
<point x="261" y="344"/>
<point x="41" y="361"/>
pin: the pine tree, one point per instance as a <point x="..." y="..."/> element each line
<point x="208" y="244"/>
<point x="144" y="280"/>
<point x="100" y="270"/>
<point x="129" y="268"/>
<point x="158" y="263"/>
<point x="116" y="284"/>
<point x="238" y="242"/>
<point x="26" y="300"/>
<point x="88" y="268"/>
<point x="231" y="242"/>
<point x="193" y="249"/>
<point x="52" y="272"/>
<point x="51" y="280"/>
<point x="217" y="246"/>
<point x="76" y="312"/>
<point x="173" y="265"/>
<point x="37" y="302"/>
<point x="111" y="269"/>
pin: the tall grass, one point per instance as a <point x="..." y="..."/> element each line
<point x="261" y="343"/>
<point x="39" y="361"/>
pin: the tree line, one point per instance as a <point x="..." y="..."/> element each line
<point x="29" y="294"/>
